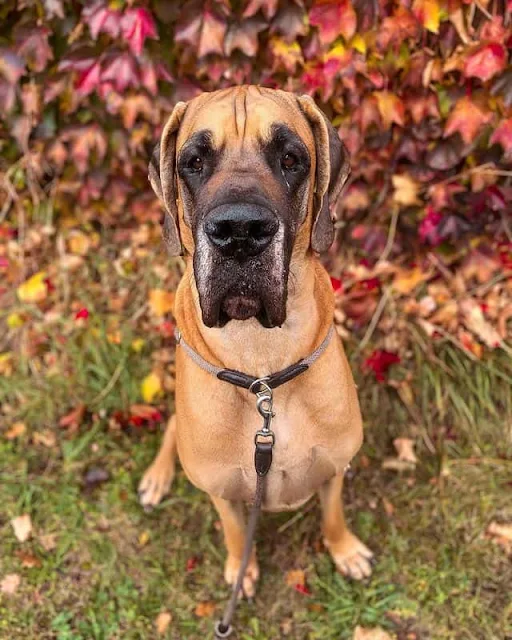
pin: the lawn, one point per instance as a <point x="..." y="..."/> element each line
<point x="97" y="566"/>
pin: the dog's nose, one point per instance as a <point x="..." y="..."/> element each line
<point x="241" y="230"/>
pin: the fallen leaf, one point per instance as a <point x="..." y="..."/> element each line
<point x="48" y="541"/>
<point x="486" y="62"/>
<point x="35" y="289"/>
<point x="47" y="438"/>
<point x="391" y="108"/>
<point x="405" y="450"/>
<point x="205" y="609"/>
<point x="73" y="419"/>
<point x="376" y="633"/>
<point x="406" y="190"/>
<point x="389" y="507"/>
<point x="427" y="12"/>
<point x="28" y="559"/>
<point x="474" y="320"/>
<point x="95" y="476"/>
<point x="161" y="302"/>
<point x="295" y="577"/>
<point x="162" y="622"/>
<point x="501" y="534"/>
<point x="407" y="280"/>
<point x="16" y="430"/>
<point x="22" y="526"/>
<point x="9" y="585"/>
<point x="79" y="243"/>
<point x="151" y="386"/>
<point x="143" y="538"/>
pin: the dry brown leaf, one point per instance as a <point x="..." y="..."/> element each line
<point x="162" y="622"/>
<point x="28" y="559"/>
<point x="474" y="320"/>
<point x="22" y="526"/>
<point x="295" y="577"/>
<point x="377" y="633"/>
<point x="47" y="438"/>
<point x="405" y="449"/>
<point x="48" y="541"/>
<point x="16" y="430"/>
<point x="9" y="585"/>
<point x="501" y="534"/>
<point x="205" y="609"/>
<point x="389" y="507"/>
<point x="394" y="464"/>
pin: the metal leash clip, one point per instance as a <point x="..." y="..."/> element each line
<point x="264" y="439"/>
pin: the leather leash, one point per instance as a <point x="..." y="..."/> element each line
<point x="264" y="440"/>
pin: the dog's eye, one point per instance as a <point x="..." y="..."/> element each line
<point x="195" y="164"/>
<point x="290" y="161"/>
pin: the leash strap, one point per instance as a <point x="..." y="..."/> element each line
<point x="246" y="381"/>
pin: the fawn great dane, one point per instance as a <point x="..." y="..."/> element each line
<point x="248" y="177"/>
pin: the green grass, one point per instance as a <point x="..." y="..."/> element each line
<point x="114" y="567"/>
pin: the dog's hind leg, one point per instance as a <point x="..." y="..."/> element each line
<point x="158" y="478"/>
<point x="351" y="556"/>
<point x="233" y="523"/>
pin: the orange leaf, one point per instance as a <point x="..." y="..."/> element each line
<point x="391" y="108"/>
<point x="161" y="302"/>
<point x="205" y="609"/>
<point x="467" y="119"/>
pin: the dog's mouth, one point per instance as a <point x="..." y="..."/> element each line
<point x="238" y="307"/>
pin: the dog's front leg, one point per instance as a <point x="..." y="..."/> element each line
<point x="350" y="555"/>
<point x="233" y="523"/>
<point x="158" y="478"/>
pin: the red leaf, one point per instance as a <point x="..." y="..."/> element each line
<point x="33" y="46"/>
<point x="429" y="227"/>
<point x="82" y="314"/>
<point x="503" y="135"/>
<point x="99" y="17"/>
<point x="397" y="28"/>
<point x="337" y="285"/>
<point x="136" y="26"/>
<point x="486" y="62"/>
<point x="268" y="7"/>
<point x="192" y="563"/>
<point x="122" y="72"/>
<point x="302" y="588"/>
<point x="379" y="362"/>
<point x="203" y="31"/>
<point x="88" y="80"/>
<point x="12" y="66"/>
<point x="73" y="419"/>
<point x="333" y="18"/>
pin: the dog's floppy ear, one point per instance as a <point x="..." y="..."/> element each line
<point x="332" y="171"/>
<point x="162" y="175"/>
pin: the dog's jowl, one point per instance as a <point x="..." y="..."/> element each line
<point x="248" y="177"/>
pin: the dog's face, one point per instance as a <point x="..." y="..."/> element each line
<point x="246" y="175"/>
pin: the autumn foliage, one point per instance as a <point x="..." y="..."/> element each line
<point x="420" y="91"/>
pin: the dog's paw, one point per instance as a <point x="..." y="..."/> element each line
<point x="352" y="558"/>
<point x="252" y="574"/>
<point x="155" y="484"/>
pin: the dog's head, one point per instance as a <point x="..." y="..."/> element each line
<point x="247" y="176"/>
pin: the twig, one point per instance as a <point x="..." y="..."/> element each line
<point x="391" y="235"/>
<point x="374" y="321"/>
<point x="300" y="514"/>
<point x="111" y="382"/>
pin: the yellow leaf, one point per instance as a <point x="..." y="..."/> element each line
<point x="407" y="281"/>
<point x="15" y="321"/>
<point x="79" y="243"/>
<point x="406" y="190"/>
<point x="427" y="12"/>
<point x="161" y="301"/>
<point x="151" y="386"/>
<point x="143" y="538"/>
<point x="358" y="44"/>
<point x="6" y="364"/>
<point x="34" y="289"/>
<point x="138" y="344"/>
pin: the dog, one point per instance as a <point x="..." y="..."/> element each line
<point x="248" y="177"/>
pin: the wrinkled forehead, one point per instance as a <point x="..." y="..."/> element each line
<point x="243" y="117"/>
